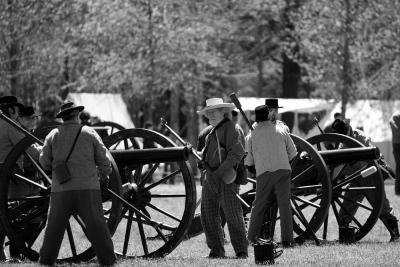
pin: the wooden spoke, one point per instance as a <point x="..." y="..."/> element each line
<point x="163" y="180"/>
<point x="142" y="235"/>
<point x="71" y="240"/>
<point x="163" y="212"/>
<point x="302" y="175"/>
<point x="306" y="201"/>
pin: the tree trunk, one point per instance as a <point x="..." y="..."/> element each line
<point x="13" y="51"/>
<point x="346" y="68"/>
<point x="291" y="77"/>
<point x="151" y="75"/>
<point x="174" y="109"/>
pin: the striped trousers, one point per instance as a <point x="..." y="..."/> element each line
<point x="215" y="195"/>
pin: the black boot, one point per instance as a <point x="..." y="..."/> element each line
<point x="393" y="228"/>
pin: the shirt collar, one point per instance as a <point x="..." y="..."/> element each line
<point x="266" y="123"/>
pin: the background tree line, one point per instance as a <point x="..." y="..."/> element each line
<point x="167" y="56"/>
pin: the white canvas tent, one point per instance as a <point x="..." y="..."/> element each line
<point x="108" y="107"/>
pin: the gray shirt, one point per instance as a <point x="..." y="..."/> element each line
<point x="269" y="148"/>
<point x="87" y="160"/>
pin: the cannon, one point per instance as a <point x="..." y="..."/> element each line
<point x="136" y="206"/>
<point x="137" y="203"/>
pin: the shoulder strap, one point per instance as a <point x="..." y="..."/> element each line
<point x="73" y="145"/>
<point x="210" y="133"/>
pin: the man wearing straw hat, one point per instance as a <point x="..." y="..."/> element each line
<point x="223" y="150"/>
<point x="80" y="194"/>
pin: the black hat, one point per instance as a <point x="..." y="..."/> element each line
<point x="28" y="111"/>
<point x="339" y="126"/>
<point x="272" y="103"/>
<point x="67" y="108"/>
<point x="9" y="101"/>
<point x="261" y="113"/>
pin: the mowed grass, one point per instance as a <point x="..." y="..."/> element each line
<point x="373" y="250"/>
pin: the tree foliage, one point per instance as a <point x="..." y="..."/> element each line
<point x="167" y="56"/>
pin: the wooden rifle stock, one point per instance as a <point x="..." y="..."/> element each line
<point x="236" y="102"/>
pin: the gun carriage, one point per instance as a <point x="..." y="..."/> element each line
<point x="137" y="203"/>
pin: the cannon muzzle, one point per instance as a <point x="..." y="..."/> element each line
<point x="150" y="155"/>
<point x="345" y="155"/>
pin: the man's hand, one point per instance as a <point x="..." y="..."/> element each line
<point x="104" y="181"/>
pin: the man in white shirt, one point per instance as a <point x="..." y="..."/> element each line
<point x="270" y="149"/>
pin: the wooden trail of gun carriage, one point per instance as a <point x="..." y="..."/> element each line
<point x="137" y="204"/>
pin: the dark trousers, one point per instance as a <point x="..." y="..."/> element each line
<point x="87" y="205"/>
<point x="387" y="213"/>
<point x="396" y="154"/>
<point x="269" y="183"/>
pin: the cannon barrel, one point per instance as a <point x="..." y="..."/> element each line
<point x="150" y="155"/>
<point x="339" y="156"/>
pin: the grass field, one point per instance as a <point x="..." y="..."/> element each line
<point x="373" y="250"/>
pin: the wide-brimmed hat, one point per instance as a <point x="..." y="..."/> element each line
<point x="261" y="113"/>
<point x="9" y="101"/>
<point x="67" y="108"/>
<point x="28" y="111"/>
<point x="272" y="103"/>
<point x="213" y="103"/>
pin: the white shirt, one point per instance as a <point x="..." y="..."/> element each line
<point x="269" y="148"/>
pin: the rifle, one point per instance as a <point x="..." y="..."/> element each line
<point x="236" y="101"/>
<point x="316" y="122"/>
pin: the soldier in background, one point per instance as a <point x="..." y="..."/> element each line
<point x="273" y="108"/>
<point x="48" y="109"/>
<point x="9" y="137"/>
<point x="395" y="127"/>
<point x="28" y="118"/>
<point x="337" y="115"/>
<point x="387" y="215"/>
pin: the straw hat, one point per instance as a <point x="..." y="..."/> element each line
<point x="213" y="103"/>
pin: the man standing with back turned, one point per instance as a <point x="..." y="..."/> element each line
<point x="395" y="127"/>
<point x="270" y="149"/>
<point x="81" y="193"/>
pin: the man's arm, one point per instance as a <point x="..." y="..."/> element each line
<point x="46" y="157"/>
<point x="290" y="147"/>
<point x="103" y="163"/>
<point x="234" y="148"/>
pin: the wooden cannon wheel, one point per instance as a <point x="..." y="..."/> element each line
<point x="310" y="191"/>
<point x="24" y="213"/>
<point x="112" y="127"/>
<point x="356" y="202"/>
<point x="155" y="214"/>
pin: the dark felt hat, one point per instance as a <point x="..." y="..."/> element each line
<point x="339" y="126"/>
<point x="9" y="101"/>
<point x="28" y="111"/>
<point x="261" y="113"/>
<point x="67" y="108"/>
<point x="272" y="103"/>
